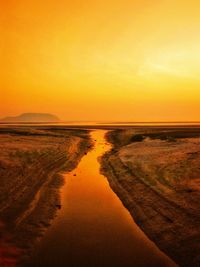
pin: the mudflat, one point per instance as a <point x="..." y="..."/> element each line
<point x="153" y="170"/>
<point x="31" y="161"/>
<point x="156" y="174"/>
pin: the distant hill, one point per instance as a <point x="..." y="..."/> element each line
<point x="32" y="117"/>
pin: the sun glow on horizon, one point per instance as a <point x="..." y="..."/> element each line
<point x="94" y="60"/>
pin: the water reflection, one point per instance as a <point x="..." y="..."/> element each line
<point x="93" y="228"/>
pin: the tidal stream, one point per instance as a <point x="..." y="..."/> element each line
<point x="93" y="228"/>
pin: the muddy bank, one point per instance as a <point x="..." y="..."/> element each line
<point x="156" y="175"/>
<point x="31" y="162"/>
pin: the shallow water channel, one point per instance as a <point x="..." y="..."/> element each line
<point x="93" y="228"/>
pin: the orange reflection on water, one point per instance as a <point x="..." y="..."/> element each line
<point x="93" y="228"/>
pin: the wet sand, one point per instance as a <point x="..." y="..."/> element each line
<point x="93" y="228"/>
<point x="30" y="164"/>
<point x="155" y="172"/>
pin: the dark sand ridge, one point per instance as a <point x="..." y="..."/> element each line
<point x="93" y="228"/>
<point x="158" y="181"/>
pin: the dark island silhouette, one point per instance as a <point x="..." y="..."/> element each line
<point x="32" y="117"/>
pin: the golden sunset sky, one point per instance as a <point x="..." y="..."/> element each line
<point x="125" y="60"/>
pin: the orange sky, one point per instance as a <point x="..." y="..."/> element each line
<point x="125" y="60"/>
